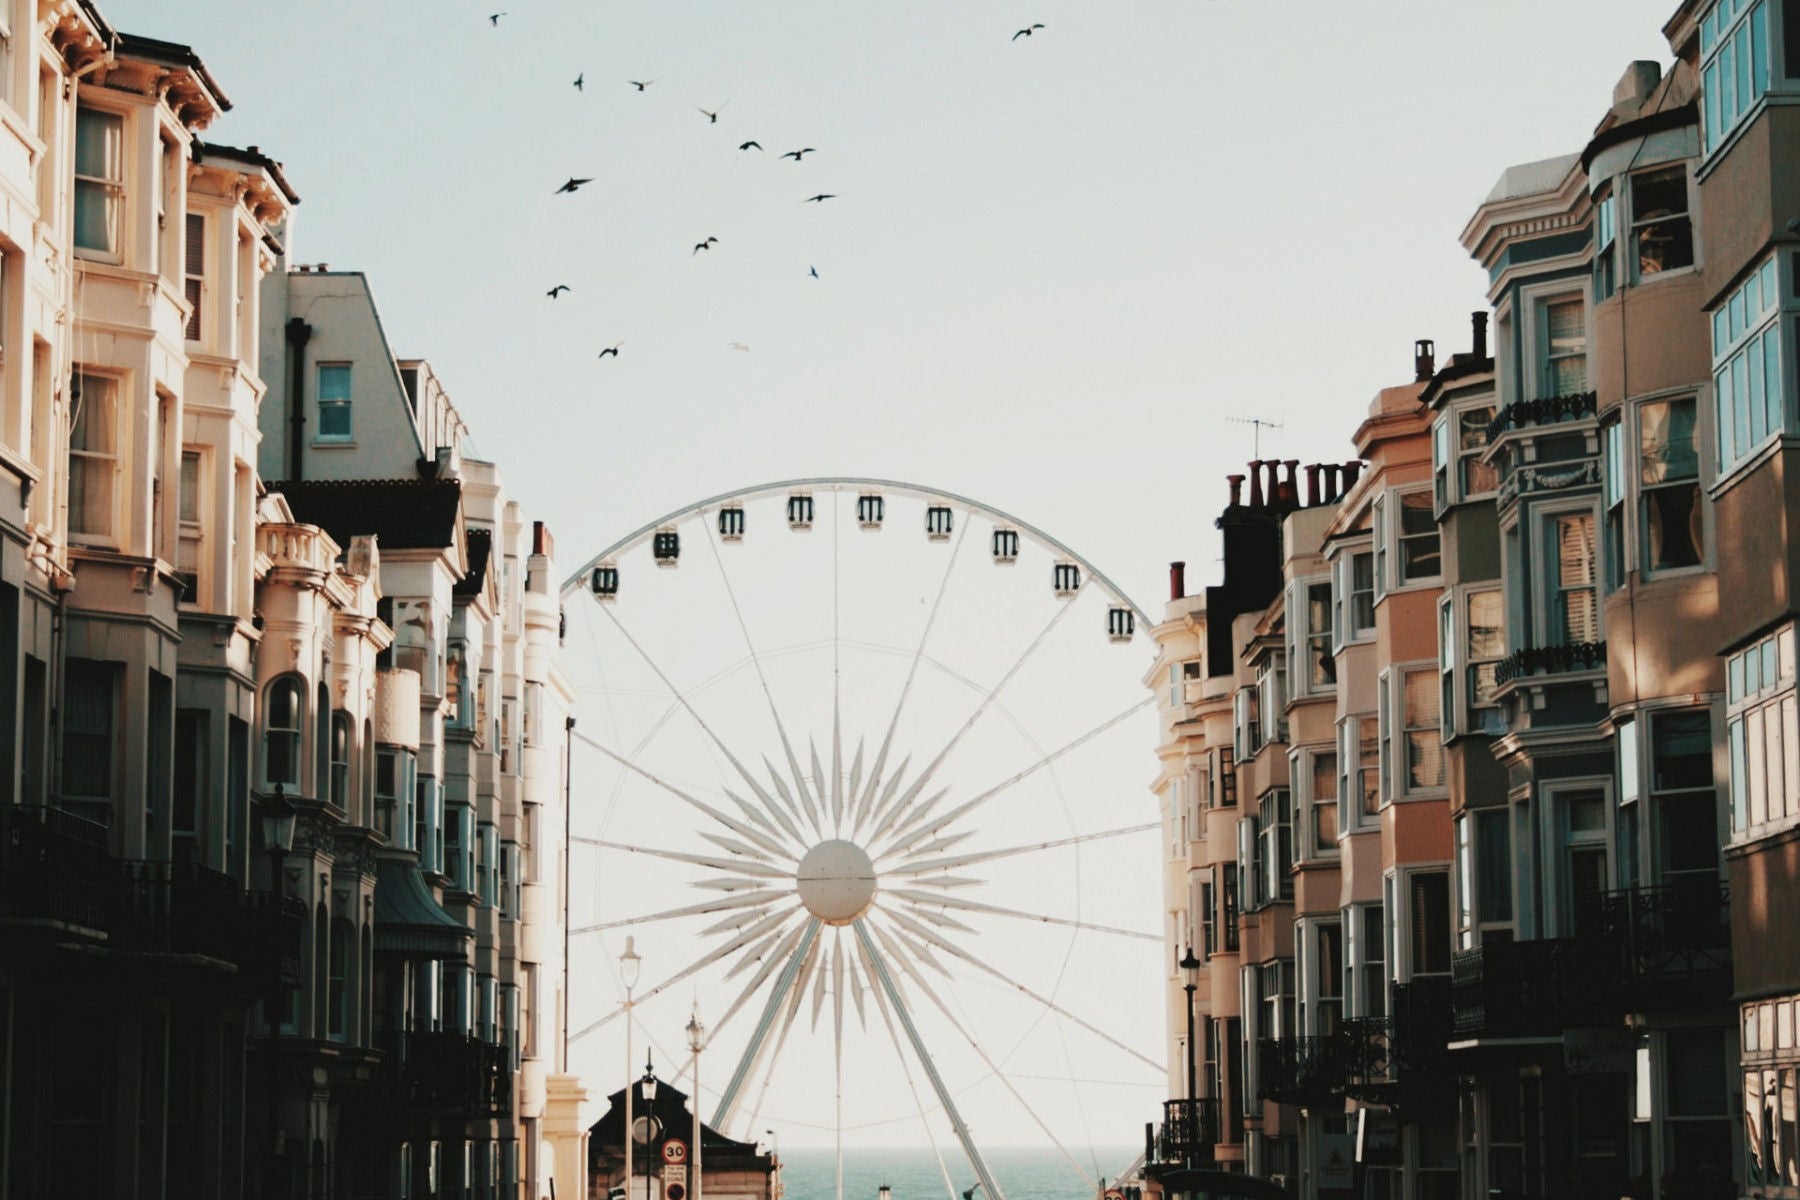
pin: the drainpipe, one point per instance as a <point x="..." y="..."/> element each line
<point x="298" y="331"/>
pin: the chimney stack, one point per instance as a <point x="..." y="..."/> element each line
<point x="1330" y="472"/>
<point x="1479" y="321"/>
<point x="1256" y="488"/>
<point x="1177" y="580"/>
<point x="1312" y="485"/>
<point x="1289" y="491"/>
<point x="1424" y="360"/>
<point x="1236" y="483"/>
<point x="1352" y="469"/>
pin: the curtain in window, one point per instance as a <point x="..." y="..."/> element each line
<point x="99" y="170"/>
<point x="1424" y="743"/>
<point x="93" y="446"/>
<point x="1565" y="333"/>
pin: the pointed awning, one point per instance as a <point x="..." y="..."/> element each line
<point x="409" y="920"/>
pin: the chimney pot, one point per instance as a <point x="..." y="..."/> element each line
<point x="1256" y="483"/>
<point x="1274" y="492"/>
<point x="1479" y="321"/>
<point x="1236" y="483"/>
<point x="1289" y="490"/>
<point x="1330" y="471"/>
<point x="1424" y="360"/>
<point x="1177" y="580"/>
<point x="1352" y="470"/>
<point x="1312" y="485"/>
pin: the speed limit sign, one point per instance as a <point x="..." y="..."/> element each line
<point x="674" y="1151"/>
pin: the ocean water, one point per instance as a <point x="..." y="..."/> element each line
<point x="1024" y="1173"/>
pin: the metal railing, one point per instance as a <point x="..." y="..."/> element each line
<point x="1511" y="989"/>
<point x="1667" y="934"/>
<point x="1547" y="410"/>
<point x="1188" y="1133"/>
<point x="1551" y="660"/>
<point x="53" y="866"/>
<point x="448" y="1074"/>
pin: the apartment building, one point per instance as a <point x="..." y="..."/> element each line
<point x="281" y="791"/>
<point x="1559" y="613"/>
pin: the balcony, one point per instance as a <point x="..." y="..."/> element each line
<point x="53" y="867"/>
<point x="1663" y="945"/>
<point x="1524" y="989"/>
<point x="276" y="932"/>
<point x="444" y="1074"/>
<point x="1549" y="410"/>
<point x="1307" y="1070"/>
<point x="1550" y="660"/>
<point x="1187" y="1135"/>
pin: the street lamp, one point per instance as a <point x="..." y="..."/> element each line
<point x="652" y="1127"/>
<point x="629" y="966"/>
<point x="1190" y="979"/>
<point x="696" y="1036"/>
<point x="884" y="1192"/>
<point x="277" y="819"/>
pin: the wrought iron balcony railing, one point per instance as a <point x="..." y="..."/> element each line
<point x="54" y="867"/>
<point x="1518" y="989"/>
<point x="1677" y="933"/>
<point x="1547" y="410"/>
<point x="1551" y="660"/>
<point x="446" y="1074"/>
<point x="276" y="934"/>
<point x="1188" y="1133"/>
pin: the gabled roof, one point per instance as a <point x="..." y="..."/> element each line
<point x="404" y="514"/>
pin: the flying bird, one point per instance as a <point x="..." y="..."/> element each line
<point x="494" y="18"/>
<point x="797" y="155"/>
<point x="711" y="114"/>
<point x="706" y="245"/>
<point x="740" y="346"/>
<point x="612" y="350"/>
<point x="556" y="291"/>
<point x="640" y="86"/>
<point x="573" y="185"/>
<point x="813" y="271"/>
<point x="1026" y="32"/>
<point x="751" y="146"/>
<point x="579" y="80"/>
<point x="819" y="197"/>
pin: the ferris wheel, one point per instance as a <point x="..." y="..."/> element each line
<point x="861" y="769"/>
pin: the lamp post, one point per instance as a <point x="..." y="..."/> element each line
<point x="652" y="1127"/>
<point x="1190" y="979"/>
<point x="696" y="1036"/>
<point x="884" y="1192"/>
<point x="277" y="819"/>
<point x="629" y="965"/>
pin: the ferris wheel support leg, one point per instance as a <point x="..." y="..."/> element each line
<point x="924" y="1056"/>
<point x="784" y="983"/>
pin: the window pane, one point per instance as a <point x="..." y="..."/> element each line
<point x="1487" y="628"/>
<point x="1681" y="750"/>
<point x="1664" y="238"/>
<point x="1669" y="443"/>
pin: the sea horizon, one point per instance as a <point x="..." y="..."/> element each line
<point x="914" y="1173"/>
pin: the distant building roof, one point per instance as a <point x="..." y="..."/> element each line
<point x="1529" y="179"/>
<point x="250" y="155"/>
<point x="405" y="514"/>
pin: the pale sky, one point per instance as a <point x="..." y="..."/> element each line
<point x="1055" y="268"/>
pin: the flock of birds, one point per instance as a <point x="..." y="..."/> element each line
<point x="575" y="182"/>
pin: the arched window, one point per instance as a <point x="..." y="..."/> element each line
<point x="281" y="732"/>
<point x="340" y="759"/>
<point x="343" y="952"/>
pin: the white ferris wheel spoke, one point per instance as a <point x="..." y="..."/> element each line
<point x="1068" y="747"/>
<point x="752" y="867"/>
<point x="885" y="978"/>
<point x="791" y="807"/>
<point x="866" y="812"/>
<point x="963" y="955"/>
<point x="731" y="823"/>
<point x="996" y="910"/>
<point x="987" y="701"/>
<point x="923" y="866"/>
<point x="787" y="1025"/>
<point x="728" y="1099"/>
<point x="769" y="963"/>
<point x="763" y="897"/>
<point x="912" y="1085"/>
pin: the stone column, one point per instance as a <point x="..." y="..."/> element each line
<point x="568" y="1136"/>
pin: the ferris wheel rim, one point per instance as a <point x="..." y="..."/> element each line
<point x="576" y="581"/>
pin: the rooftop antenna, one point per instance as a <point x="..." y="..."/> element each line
<point x="1257" y="425"/>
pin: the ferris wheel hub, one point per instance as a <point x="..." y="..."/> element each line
<point x="836" y="881"/>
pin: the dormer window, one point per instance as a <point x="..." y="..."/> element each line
<point x="334" y="402"/>
<point x="99" y="183"/>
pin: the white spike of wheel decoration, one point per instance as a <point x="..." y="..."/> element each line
<point x="861" y="765"/>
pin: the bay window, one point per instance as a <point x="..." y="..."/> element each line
<point x="1320" y="960"/>
<point x="1275" y="849"/>
<point x="1562" y="346"/>
<point x="1246" y="732"/>
<point x="1353" y="598"/>
<point x="1735" y="57"/>
<point x="1573" y="614"/>
<point x="1271" y="698"/>
<point x="93" y="454"/>
<point x="1763" y="736"/>
<point x="1483" y="876"/>
<point x="1683" y="797"/>
<point x="1750" y="386"/>
<point x="90" y="724"/>
<point x="1419" y="558"/>
<point x="1358" y="759"/>
<point x="281" y="733"/>
<point x="1314" y="772"/>
<point x="1669" y="474"/>
<point x="1662" y="234"/>
<point x="1458" y="441"/>
<point x="1365" y="979"/>
<point x="1309" y="646"/>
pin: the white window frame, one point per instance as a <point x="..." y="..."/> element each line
<point x="1743" y="341"/>
<point x="1397" y="887"/>
<point x="1553" y="814"/>
<point x="1271" y="697"/>
<point x="1393" y="544"/>
<point x="1770" y="701"/>
<point x="1312" y="975"/>
<point x="1303" y="639"/>
<point x="1354" y="774"/>
<point x="1302" y="772"/>
<point x="1537" y="301"/>
<point x="1630" y="223"/>
<point x="1275" y="843"/>
<point x="1365" y="973"/>
<point x="1344" y="630"/>
<point x="1457" y="665"/>
<point x="1547" y="588"/>
<point x="1631" y="497"/>
<point x="1451" y="460"/>
<point x="116" y="189"/>
<point x="346" y="404"/>
<point x="105" y="464"/>
<point x="1246" y="736"/>
<point x="1469" y="926"/>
